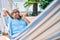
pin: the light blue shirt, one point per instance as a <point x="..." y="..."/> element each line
<point x="16" y="26"/>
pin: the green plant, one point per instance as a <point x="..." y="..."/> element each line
<point x="43" y="5"/>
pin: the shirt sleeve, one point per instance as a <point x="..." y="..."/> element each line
<point x="10" y="28"/>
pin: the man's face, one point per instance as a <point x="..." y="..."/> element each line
<point x="16" y="15"/>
